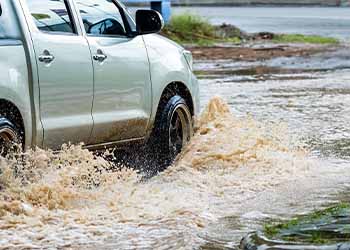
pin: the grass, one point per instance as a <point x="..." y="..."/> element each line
<point x="298" y="38"/>
<point x="289" y="230"/>
<point x="192" y="29"/>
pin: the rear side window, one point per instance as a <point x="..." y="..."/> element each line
<point x="101" y="17"/>
<point x="52" y="15"/>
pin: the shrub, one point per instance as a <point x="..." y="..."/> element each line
<point x="188" y="28"/>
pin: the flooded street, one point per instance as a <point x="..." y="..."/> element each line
<point x="309" y="97"/>
<point x="274" y="143"/>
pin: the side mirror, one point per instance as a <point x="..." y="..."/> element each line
<point x="148" y="21"/>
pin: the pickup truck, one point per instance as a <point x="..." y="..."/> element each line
<point x="83" y="71"/>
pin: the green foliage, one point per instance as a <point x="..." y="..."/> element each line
<point x="234" y="40"/>
<point x="298" y="38"/>
<point x="271" y="230"/>
<point x="187" y="28"/>
<point x="288" y="230"/>
<point x="192" y="29"/>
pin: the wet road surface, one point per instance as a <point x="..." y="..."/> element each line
<point x="310" y="96"/>
<point x="272" y="145"/>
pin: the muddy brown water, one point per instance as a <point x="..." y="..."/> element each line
<point x="269" y="144"/>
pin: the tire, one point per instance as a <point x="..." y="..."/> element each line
<point x="172" y="131"/>
<point x="9" y="136"/>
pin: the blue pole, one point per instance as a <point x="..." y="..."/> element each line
<point x="163" y="7"/>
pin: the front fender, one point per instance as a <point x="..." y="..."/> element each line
<point x="168" y="65"/>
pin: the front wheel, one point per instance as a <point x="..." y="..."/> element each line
<point x="173" y="130"/>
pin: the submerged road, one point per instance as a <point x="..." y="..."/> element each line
<point x="274" y="144"/>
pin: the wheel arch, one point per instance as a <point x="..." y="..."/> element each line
<point x="172" y="89"/>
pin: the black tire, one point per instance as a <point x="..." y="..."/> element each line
<point x="173" y="130"/>
<point x="9" y="136"/>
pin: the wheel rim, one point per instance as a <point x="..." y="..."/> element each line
<point x="180" y="131"/>
<point x="7" y="139"/>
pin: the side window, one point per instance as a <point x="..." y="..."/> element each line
<point x="51" y="15"/>
<point x="8" y="24"/>
<point x="101" y="17"/>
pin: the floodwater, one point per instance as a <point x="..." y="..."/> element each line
<point x="271" y="144"/>
<point x="324" y="21"/>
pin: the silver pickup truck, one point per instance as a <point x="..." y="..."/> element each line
<point x="75" y="71"/>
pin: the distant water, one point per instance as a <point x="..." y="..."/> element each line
<point x="324" y="21"/>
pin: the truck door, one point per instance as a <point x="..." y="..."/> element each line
<point x="65" y="73"/>
<point x="122" y="96"/>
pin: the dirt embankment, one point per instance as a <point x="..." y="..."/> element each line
<point x="257" y="52"/>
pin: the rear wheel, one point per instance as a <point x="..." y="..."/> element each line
<point x="173" y="130"/>
<point x="9" y="136"/>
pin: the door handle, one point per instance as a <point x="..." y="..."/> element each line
<point x="46" y="57"/>
<point x="100" y="56"/>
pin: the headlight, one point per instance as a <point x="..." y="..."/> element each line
<point x="189" y="58"/>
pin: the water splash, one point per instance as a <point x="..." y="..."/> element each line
<point x="72" y="198"/>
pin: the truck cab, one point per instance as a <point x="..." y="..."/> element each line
<point x="75" y="71"/>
